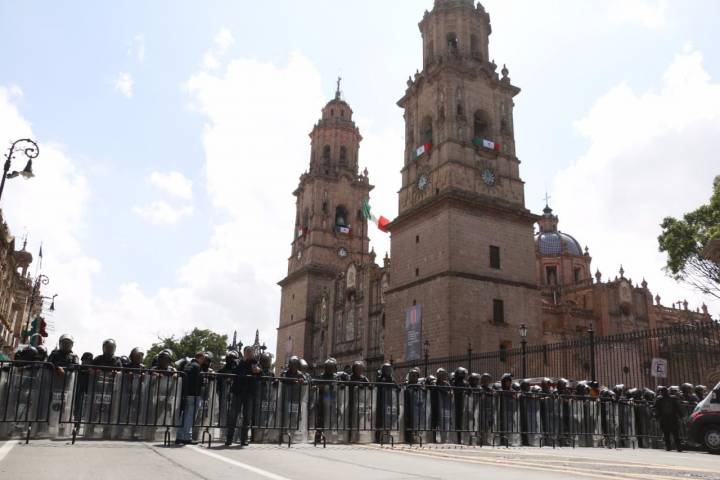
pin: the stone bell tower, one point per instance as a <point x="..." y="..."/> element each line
<point x="462" y="244"/>
<point x="330" y="231"/>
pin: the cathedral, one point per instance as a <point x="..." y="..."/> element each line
<point x="468" y="263"/>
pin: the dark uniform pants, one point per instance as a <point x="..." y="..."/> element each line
<point x="242" y="404"/>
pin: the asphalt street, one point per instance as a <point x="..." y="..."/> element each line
<point x="123" y="460"/>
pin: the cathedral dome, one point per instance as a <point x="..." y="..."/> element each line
<point x="556" y="243"/>
<point x="550" y="241"/>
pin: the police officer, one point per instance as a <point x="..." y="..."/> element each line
<point x="700" y="392"/>
<point x="244" y="390"/>
<point x="192" y="390"/>
<point x="688" y="396"/>
<point x="135" y="359"/>
<point x="668" y="413"/>
<point x="460" y="384"/>
<point x="63" y="357"/>
<point x="164" y="362"/>
<point x="384" y="403"/>
<point x="108" y="358"/>
<point x="358" y="372"/>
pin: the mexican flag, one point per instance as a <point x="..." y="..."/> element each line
<point x="489" y="144"/>
<point x="381" y="222"/>
<point x="422" y="149"/>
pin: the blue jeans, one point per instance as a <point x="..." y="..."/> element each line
<point x="192" y="404"/>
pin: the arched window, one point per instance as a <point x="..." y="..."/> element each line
<point x="343" y="154"/>
<point x="326" y="152"/>
<point x="341" y="216"/>
<point x="453" y="44"/>
<point x="475" y="47"/>
<point x="426" y="130"/>
<point x="481" y="124"/>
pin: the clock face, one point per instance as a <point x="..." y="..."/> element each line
<point x="422" y="182"/>
<point x="488" y="177"/>
<point x="342" y="252"/>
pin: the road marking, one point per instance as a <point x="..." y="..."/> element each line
<point x="5" y="449"/>
<point x="552" y="458"/>
<point x="594" y="473"/>
<point x="245" y="466"/>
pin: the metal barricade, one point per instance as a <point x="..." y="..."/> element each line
<point x="25" y="395"/>
<point x="121" y="403"/>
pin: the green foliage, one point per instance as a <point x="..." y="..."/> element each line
<point x="189" y="344"/>
<point x="684" y="240"/>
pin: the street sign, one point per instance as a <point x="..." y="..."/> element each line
<point x="659" y="368"/>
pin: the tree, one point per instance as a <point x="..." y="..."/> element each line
<point x="189" y="344"/>
<point x="684" y="240"/>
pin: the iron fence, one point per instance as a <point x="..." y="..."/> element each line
<point x="691" y="352"/>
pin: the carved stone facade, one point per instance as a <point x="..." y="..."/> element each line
<point x="15" y="290"/>
<point x="463" y="246"/>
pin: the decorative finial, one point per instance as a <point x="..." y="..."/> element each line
<point x="622" y="272"/>
<point x="657" y="299"/>
<point x="685" y="304"/>
<point x="643" y="284"/>
<point x="587" y="251"/>
<point x="704" y="309"/>
<point x="337" y="91"/>
<point x="505" y="72"/>
<point x="365" y="172"/>
<point x="598" y="275"/>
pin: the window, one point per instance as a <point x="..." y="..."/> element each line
<point x="551" y="275"/>
<point x="343" y="154"/>
<point x="577" y="274"/>
<point x="481" y="124"/>
<point x="332" y="112"/>
<point x="453" y="44"/>
<point x="426" y="130"/>
<point x="417" y="238"/>
<point x="475" y="47"/>
<point x="417" y="272"/>
<point x="494" y="256"/>
<point x="326" y="152"/>
<point x="498" y="311"/>
<point x="430" y="52"/>
<point x="324" y="207"/>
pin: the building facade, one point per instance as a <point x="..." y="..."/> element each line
<point x="466" y="266"/>
<point x="15" y="290"/>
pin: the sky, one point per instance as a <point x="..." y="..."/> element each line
<point x="172" y="134"/>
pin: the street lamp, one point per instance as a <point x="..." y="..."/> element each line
<point x="523" y="343"/>
<point x="427" y="356"/>
<point x="591" y="334"/>
<point x="31" y="151"/>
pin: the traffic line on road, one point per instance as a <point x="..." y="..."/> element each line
<point x="594" y="473"/>
<point x="245" y="466"/>
<point x="5" y="449"/>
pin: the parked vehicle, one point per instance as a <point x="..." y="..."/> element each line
<point x="705" y="421"/>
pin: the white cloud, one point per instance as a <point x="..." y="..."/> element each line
<point x="174" y="184"/>
<point x="124" y="84"/>
<point x="222" y="43"/>
<point x="162" y="213"/>
<point x="645" y="13"/>
<point x="651" y="154"/>
<point x="51" y="208"/>
<point x="137" y="48"/>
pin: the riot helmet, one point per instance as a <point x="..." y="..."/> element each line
<point x="108" y="347"/>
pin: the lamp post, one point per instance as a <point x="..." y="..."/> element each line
<point x="427" y="356"/>
<point x="523" y="343"/>
<point x="31" y="151"/>
<point x="35" y="295"/>
<point x="591" y="334"/>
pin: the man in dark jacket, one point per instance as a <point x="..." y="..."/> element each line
<point x="192" y="389"/>
<point x="244" y="390"/>
<point x="668" y="412"/>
